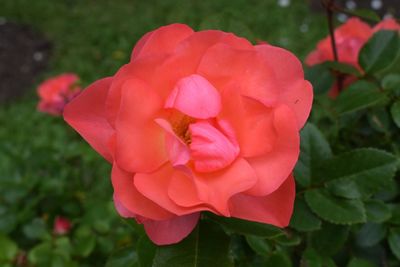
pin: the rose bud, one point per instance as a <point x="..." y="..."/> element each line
<point x="61" y="225"/>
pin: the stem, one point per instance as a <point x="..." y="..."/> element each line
<point x="329" y="7"/>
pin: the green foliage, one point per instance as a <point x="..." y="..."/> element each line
<point x="380" y="51"/>
<point x="334" y="209"/>
<point x="358" y="96"/>
<point x="207" y="245"/>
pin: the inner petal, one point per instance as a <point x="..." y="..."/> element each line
<point x="212" y="147"/>
<point x="195" y="97"/>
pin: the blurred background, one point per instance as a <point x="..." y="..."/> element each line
<point x="47" y="171"/>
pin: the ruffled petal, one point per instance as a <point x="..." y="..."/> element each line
<point x="223" y="65"/>
<point x="86" y="114"/>
<point x="140" y="142"/>
<point x="171" y="231"/>
<point x="274" y="167"/>
<point x="216" y="188"/>
<point x="211" y="148"/>
<point x="130" y="198"/>
<point x="142" y="69"/>
<point x="122" y="211"/>
<point x="185" y="59"/>
<point x="195" y="97"/>
<point x="249" y="119"/>
<point x="296" y="92"/>
<point x="275" y="208"/>
<point x="155" y="187"/>
<point x="161" y="40"/>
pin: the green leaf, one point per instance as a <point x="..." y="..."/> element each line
<point x="246" y="227"/>
<point x="311" y="258"/>
<point x="8" y="249"/>
<point x="391" y="82"/>
<point x="395" y="111"/>
<point x="289" y="239"/>
<point x="146" y="251"/>
<point x="370" y="234"/>
<point x="342" y="68"/>
<point x="395" y="219"/>
<point x="280" y="259"/>
<point x="320" y="77"/>
<point x="84" y="241"/>
<point x="358" y="96"/>
<point x="36" y="229"/>
<point x="313" y="149"/>
<point x="125" y="257"/>
<point x="333" y="209"/>
<point x="41" y="254"/>
<point x="360" y="172"/>
<point x="367" y="14"/>
<point x="206" y="246"/>
<point x="394" y="241"/>
<point x="303" y="219"/>
<point x="330" y="239"/>
<point x="380" y="51"/>
<point x="377" y="211"/>
<point x="380" y="120"/>
<point x="355" y="262"/>
<point x="259" y="245"/>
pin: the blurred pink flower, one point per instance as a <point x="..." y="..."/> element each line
<point x="350" y="37"/>
<point x="61" y="225"/>
<point x="56" y="92"/>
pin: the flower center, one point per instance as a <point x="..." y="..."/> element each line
<point x="180" y="124"/>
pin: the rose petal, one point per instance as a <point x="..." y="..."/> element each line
<point x="142" y="69"/>
<point x="216" y="188"/>
<point x="178" y="152"/>
<point x="122" y="211"/>
<point x="275" y="208"/>
<point x="186" y="57"/>
<point x="223" y="65"/>
<point x="171" y="231"/>
<point x="274" y="167"/>
<point x="155" y="186"/>
<point x="210" y="148"/>
<point x="196" y="97"/>
<point x="86" y="114"/>
<point x="161" y="40"/>
<point x="131" y="199"/>
<point x="249" y="119"/>
<point x="296" y="92"/>
<point x="140" y="144"/>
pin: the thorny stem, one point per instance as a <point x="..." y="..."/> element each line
<point x="329" y="7"/>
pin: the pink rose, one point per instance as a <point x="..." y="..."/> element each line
<point x="350" y="37"/>
<point x="198" y="121"/>
<point x="56" y="92"/>
<point x="61" y="225"/>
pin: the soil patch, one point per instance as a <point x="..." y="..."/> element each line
<point x="24" y="53"/>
